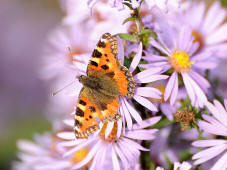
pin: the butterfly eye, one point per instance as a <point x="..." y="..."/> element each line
<point x="79" y="78"/>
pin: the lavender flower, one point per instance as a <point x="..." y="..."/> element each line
<point x="41" y="155"/>
<point x="179" y="49"/>
<point x="208" y="28"/>
<point x="215" y="124"/>
<point x="117" y="144"/>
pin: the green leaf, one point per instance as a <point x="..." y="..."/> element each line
<point x="132" y="18"/>
<point x="163" y="122"/>
<point x="127" y="62"/>
<point x="185" y="155"/>
<point x="224" y="3"/>
<point x="129" y="37"/>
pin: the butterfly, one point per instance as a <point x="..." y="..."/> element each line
<point x="105" y="82"/>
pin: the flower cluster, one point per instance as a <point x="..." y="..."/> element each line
<point x="169" y="48"/>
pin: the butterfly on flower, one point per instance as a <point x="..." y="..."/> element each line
<point x="105" y="82"/>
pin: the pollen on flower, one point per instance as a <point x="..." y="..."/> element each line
<point x="180" y="61"/>
<point x="198" y="38"/>
<point x="161" y="88"/>
<point x="80" y="155"/>
<point x="112" y="136"/>
<point x="185" y="118"/>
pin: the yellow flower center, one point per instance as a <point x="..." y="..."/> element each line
<point x="180" y="61"/>
<point x="113" y="134"/>
<point x="80" y="155"/>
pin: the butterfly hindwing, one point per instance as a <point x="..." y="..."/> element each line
<point x="85" y="115"/>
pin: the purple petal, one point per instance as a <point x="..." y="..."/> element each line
<point x="133" y="112"/>
<point x="220" y="114"/>
<point x="174" y="91"/>
<point x="67" y="135"/>
<point x="208" y="143"/>
<point x="156" y="45"/>
<point x="120" y="46"/>
<point x="31" y="147"/>
<point x="170" y="85"/>
<point x="124" y="112"/>
<point x="71" y="151"/>
<point x="189" y="88"/>
<point x="136" y="59"/>
<point x="200" y="79"/>
<point x="221" y="163"/>
<point x="90" y="155"/>
<point x="148" y="73"/>
<point x="121" y="156"/>
<point x="208" y="154"/>
<point x="146" y="123"/>
<point x="116" y="165"/>
<point x="148" y="92"/>
<point x="210" y="128"/>
<point x="109" y="128"/>
<point x="142" y="134"/>
<point x="145" y="102"/>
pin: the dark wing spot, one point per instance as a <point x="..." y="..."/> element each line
<point x="82" y="102"/>
<point x="96" y="54"/>
<point x="103" y="106"/>
<point x="105" y="55"/>
<point x="106" y="35"/>
<point x="92" y="109"/>
<point x="77" y="124"/>
<point x="101" y="44"/>
<point x="90" y="116"/>
<point x="94" y="63"/>
<point x="105" y="67"/>
<point x="110" y="74"/>
<point x="79" y="112"/>
<point x="107" y="60"/>
<point x="86" y="119"/>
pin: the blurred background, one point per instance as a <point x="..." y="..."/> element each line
<point x="24" y="26"/>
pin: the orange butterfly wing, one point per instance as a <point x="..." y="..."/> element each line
<point x="85" y="115"/>
<point x="103" y="62"/>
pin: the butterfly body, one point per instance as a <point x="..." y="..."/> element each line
<point x="106" y="80"/>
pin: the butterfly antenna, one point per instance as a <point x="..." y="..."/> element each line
<point x="55" y="93"/>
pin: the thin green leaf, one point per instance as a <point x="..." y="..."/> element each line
<point x="129" y="37"/>
<point x="132" y="18"/>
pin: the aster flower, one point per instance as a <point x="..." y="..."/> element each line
<point x="179" y="49"/>
<point x="208" y="28"/>
<point x="215" y="124"/>
<point x="43" y="154"/>
<point x="179" y="166"/>
<point x="116" y="144"/>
